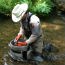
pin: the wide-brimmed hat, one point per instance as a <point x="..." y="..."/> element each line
<point x="18" y="11"/>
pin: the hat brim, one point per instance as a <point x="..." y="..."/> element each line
<point x="17" y="19"/>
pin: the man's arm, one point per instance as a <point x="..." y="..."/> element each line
<point x="35" y="28"/>
<point x="20" y="34"/>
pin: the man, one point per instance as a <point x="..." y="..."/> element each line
<point x="30" y="27"/>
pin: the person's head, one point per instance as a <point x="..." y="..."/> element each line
<point x="19" y="11"/>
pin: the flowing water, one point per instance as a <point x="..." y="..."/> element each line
<point x="54" y="33"/>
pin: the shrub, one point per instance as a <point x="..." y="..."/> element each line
<point x="6" y="6"/>
<point x="42" y="7"/>
<point x="36" y="6"/>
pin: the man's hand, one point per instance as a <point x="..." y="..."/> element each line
<point x="18" y="37"/>
<point x="21" y="44"/>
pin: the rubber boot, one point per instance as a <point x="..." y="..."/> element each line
<point x="24" y="54"/>
<point x="38" y="57"/>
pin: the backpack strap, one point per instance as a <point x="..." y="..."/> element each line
<point x="30" y="14"/>
<point x="29" y="20"/>
<point x="28" y="32"/>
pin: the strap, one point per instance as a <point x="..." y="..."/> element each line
<point x="29" y="17"/>
<point x="29" y="20"/>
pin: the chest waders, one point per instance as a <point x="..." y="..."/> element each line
<point x="20" y="53"/>
<point x="27" y="31"/>
<point x="27" y="26"/>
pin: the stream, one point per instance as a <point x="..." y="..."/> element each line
<point x="54" y="34"/>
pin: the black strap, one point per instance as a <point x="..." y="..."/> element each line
<point x="29" y="26"/>
<point x="29" y="20"/>
<point x="27" y="31"/>
<point x="29" y="17"/>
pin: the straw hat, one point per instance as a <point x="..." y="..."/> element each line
<point x="18" y="11"/>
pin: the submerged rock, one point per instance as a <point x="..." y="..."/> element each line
<point x="48" y="47"/>
<point x="60" y="4"/>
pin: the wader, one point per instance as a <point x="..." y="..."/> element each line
<point x="32" y="50"/>
<point x="36" y="46"/>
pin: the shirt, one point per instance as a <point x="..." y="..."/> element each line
<point x="35" y="29"/>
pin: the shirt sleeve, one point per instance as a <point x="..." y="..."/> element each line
<point x="21" y="31"/>
<point x="35" y="24"/>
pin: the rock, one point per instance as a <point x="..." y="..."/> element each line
<point x="60" y="4"/>
<point x="48" y="47"/>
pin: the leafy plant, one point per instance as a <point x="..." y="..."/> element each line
<point x="42" y="6"/>
<point x="6" y="6"/>
<point x="36" y="6"/>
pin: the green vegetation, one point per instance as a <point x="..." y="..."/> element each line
<point x="36" y="6"/>
<point x="42" y="7"/>
<point x="6" y="6"/>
